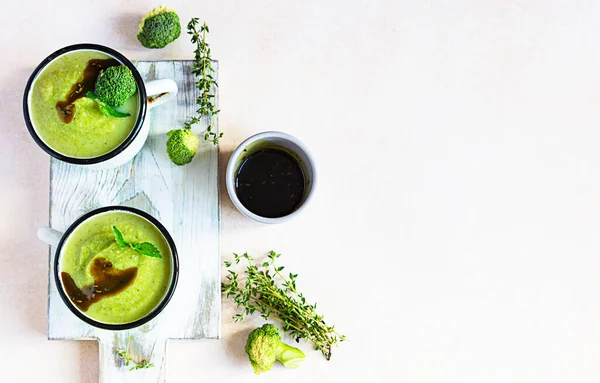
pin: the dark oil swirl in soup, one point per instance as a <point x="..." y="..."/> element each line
<point x="108" y="281"/>
<point x="66" y="108"/>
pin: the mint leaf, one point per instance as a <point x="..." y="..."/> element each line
<point x="147" y="249"/>
<point x="119" y="237"/>
<point x="106" y="109"/>
<point x="113" y="112"/>
<point x="144" y="248"/>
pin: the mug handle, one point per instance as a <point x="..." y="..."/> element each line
<point x="50" y="236"/>
<point x="160" y="91"/>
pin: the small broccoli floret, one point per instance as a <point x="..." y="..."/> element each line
<point x="159" y="28"/>
<point x="115" y="85"/>
<point x="181" y="146"/>
<point x="264" y="346"/>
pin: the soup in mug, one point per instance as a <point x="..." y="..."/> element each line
<point x="66" y="120"/>
<point x="110" y="283"/>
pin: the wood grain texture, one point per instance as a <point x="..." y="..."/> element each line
<point x="186" y="201"/>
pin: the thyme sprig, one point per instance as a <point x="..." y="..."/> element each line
<point x="267" y="291"/>
<point x="142" y="365"/>
<point x="206" y="82"/>
<point x="124" y="354"/>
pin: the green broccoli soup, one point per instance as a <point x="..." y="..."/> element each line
<point x="68" y="121"/>
<point x="108" y="279"/>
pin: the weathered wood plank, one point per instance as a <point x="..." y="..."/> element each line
<point x="185" y="199"/>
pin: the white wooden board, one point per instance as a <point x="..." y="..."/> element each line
<point x="186" y="201"/>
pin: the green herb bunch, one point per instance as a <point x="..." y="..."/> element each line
<point x="275" y="296"/>
<point x="206" y="82"/>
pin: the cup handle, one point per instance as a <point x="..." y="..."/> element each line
<point x="50" y="236"/>
<point x="160" y="91"/>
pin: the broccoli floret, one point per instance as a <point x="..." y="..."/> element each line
<point x="264" y="346"/>
<point x="115" y="85"/>
<point x="181" y="146"/>
<point x="159" y="28"/>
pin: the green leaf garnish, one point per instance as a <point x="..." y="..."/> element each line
<point x="144" y="248"/>
<point x="147" y="249"/>
<point x="106" y="109"/>
<point x="119" y="237"/>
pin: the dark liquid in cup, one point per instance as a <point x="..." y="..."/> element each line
<point x="270" y="183"/>
<point x="87" y="83"/>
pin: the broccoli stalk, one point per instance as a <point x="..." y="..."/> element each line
<point x="290" y="357"/>
<point x="264" y="347"/>
<point x="181" y="146"/>
<point x="159" y="28"/>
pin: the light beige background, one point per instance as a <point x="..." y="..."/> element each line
<point x="454" y="234"/>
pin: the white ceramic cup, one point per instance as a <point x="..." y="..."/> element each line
<point x="151" y="94"/>
<point x="265" y="140"/>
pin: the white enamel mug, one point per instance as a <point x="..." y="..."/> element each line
<point x="151" y="94"/>
<point x="58" y="239"/>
